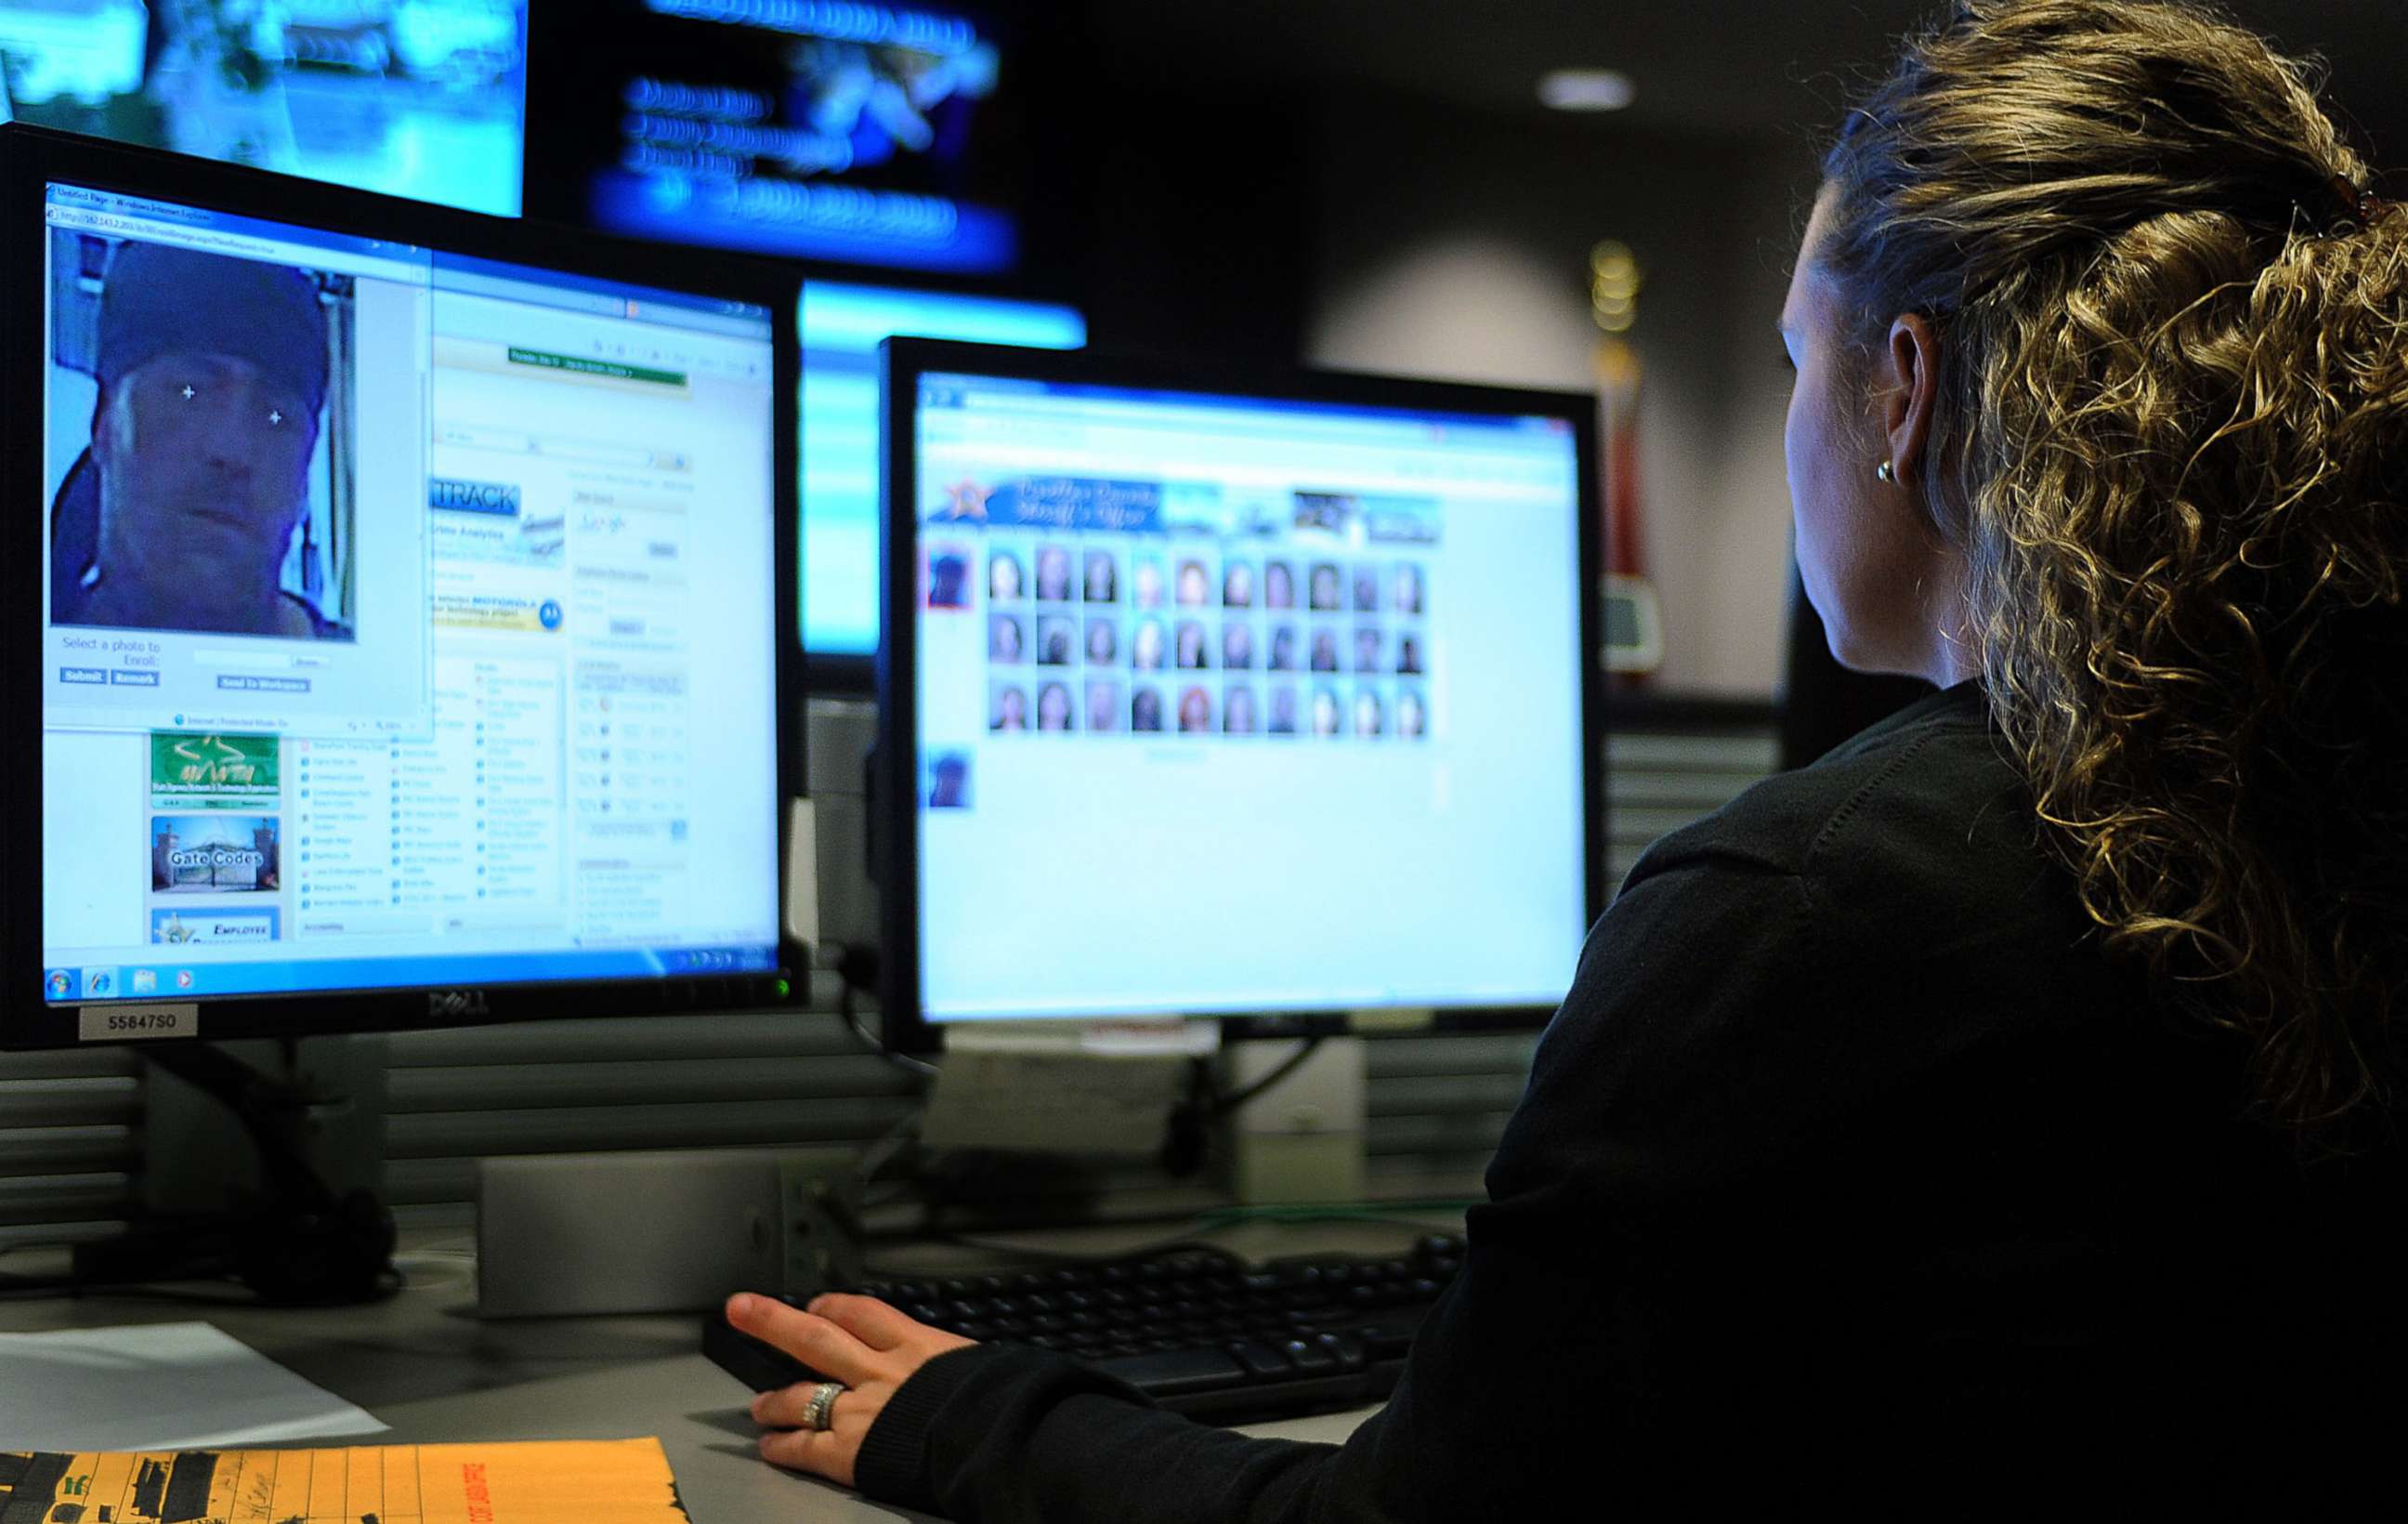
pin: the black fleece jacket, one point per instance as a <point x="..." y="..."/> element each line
<point x="1850" y="1158"/>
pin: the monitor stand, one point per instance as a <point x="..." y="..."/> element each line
<point x="288" y="1233"/>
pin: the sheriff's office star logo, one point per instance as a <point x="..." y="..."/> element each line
<point x="966" y="500"/>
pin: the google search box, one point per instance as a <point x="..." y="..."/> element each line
<point x="511" y="441"/>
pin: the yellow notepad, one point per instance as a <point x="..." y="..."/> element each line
<point x="624" y="1481"/>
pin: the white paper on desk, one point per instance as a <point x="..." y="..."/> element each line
<point x="157" y="1386"/>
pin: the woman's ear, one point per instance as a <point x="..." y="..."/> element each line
<point x="1909" y="378"/>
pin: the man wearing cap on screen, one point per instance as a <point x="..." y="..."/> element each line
<point x="212" y="373"/>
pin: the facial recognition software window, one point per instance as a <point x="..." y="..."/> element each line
<point x="600" y="506"/>
<point x="235" y="474"/>
<point x="1230" y="705"/>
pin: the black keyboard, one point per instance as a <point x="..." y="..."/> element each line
<point x="1197" y="1329"/>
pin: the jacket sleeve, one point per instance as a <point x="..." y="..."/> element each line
<point x="1525" y="1375"/>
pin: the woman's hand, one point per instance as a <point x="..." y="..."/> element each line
<point x="860" y="1341"/>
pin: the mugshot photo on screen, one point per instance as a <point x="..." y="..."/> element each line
<point x="234" y="453"/>
<point x="208" y="486"/>
<point x="1004" y="581"/>
<point x="946" y="783"/>
<point x="947" y="584"/>
<point x="1008" y="709"/>
<point x="1057" y="641"/>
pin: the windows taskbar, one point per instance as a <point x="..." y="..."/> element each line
<point x="166" y="978"/>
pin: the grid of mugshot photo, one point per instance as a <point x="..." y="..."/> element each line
<point x="1114" y="641"/>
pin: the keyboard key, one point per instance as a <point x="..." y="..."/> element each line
<point x="1348" y="1350"/>
<point x="1310" y="1356"/>
<point x="1388" y="1335"/>
<point x="1176" y="1372"/>
<point x="1263" y="1362"/>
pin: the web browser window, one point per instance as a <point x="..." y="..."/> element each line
<point x="425" y="670"/>
<point x="1234" y="705"/>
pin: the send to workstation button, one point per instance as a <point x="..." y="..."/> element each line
<point x="246" y="682"/>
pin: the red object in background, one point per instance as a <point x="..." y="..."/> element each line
<point x="1618" y="391"/>
<point x="1631" y="615"/>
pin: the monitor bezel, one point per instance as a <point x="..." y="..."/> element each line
<point x="894" y="809"/>
<point x="33" y="157"/>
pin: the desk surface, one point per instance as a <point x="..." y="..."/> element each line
<point x="423" y="1363"/>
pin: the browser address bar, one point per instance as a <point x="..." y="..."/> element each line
<point x="234" y="244"/>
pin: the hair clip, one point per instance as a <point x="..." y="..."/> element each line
<point x="2364" y="208"/>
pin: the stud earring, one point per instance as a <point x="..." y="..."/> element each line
<point x="1885" y="471"/>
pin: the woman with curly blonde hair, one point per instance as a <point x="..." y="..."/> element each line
<point x="2020" y="1080"/>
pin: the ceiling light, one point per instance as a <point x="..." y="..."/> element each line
<point x="1586" y="90"/>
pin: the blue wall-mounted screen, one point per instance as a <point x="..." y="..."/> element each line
<point x="419" y="98"/>
<point x="857" y="132"/>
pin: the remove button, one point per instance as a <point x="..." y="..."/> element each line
<point x="118" y="678"/>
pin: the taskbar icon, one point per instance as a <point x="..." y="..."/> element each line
<point x="60" y="983"/>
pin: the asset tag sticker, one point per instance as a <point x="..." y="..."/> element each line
<point x="131" y="1023"/>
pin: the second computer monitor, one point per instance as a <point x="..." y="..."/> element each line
<point x="1223" y="694"/>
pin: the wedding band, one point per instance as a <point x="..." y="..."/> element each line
<point x="823" y="1403"/>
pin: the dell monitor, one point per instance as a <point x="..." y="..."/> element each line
<point x="842" y="323"/>
<point x="1211" y="692"/>
<point x="406" y="635"/>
